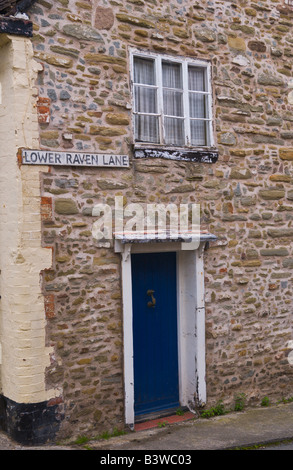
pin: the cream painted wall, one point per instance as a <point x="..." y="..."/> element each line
<point x="25" y="355"/>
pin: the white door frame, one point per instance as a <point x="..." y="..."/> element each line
<point x="191" y="321"/>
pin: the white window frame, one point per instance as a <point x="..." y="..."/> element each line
<point x="184" y="61"/>
<point x="289" y="2"/>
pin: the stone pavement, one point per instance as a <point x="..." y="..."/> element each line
<point x="253" y="426"/>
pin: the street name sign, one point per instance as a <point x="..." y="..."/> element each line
<point x="47" y="157"/>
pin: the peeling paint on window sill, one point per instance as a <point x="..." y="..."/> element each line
<point x="208" y="155"/>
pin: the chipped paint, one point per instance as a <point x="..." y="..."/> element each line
<point x="200" y="156"/>
<point x="16" y="26"/>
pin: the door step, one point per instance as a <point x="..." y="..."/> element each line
<point x="163" y="421"/>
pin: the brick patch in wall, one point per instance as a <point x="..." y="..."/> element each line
<point x="49" y="306"/>
<point x="43" y="108"/>
<point x="19" y="157"/>
<point x="55" y="401"/>
<point x="46" y="208"/>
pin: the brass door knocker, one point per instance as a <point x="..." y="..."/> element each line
<point x="151" y="303"/>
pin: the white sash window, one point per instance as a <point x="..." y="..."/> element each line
<point x="172" y="101"/>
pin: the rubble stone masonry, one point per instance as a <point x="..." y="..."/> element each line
<point x="246" y="197"/>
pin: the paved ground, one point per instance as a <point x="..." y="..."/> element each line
<point x="254" y="426"/>
<point x="282" y="446"/>
<point x="243" y="429"/>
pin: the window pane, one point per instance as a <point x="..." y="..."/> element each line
<point x="172" y="77"/>
<point x="144" y="71"/>
<point x="145" y="99"/>
<point x="162" y="100"/>
<point x="198" y="131"/>
<point x="173" y="103"/>
<point x="196" y="79"/>
<point x="147" y="129"/>
<point x="174" y="131"/>
<point x="197" y="105"/>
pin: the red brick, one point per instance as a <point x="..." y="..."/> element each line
<point x="49" y="306"/>
<point x="168" y="420"/>
<point x="55" y="401"/>
<point x="46" y="208"/>
<point x="43" y="107"/>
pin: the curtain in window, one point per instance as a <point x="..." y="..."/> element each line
<point x="197" y="105"/>
<point x="170" y="103"/>
<point x="173" y="103"/>
<point x="145" y="97"/>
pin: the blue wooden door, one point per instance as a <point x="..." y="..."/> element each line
<point x="155" y="332"/>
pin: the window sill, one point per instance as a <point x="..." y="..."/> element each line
<point x="195" y="154"/>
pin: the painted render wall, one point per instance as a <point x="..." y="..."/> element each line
<point x="84" y="104"/>
<point x="24" y="353"/>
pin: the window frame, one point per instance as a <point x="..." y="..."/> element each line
<point x="289" y="3"/>
<point x="185" y="62"/>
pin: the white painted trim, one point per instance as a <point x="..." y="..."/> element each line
<point x="210" y="106"/>
<point x="191" y="322"/>
<point x="128" y="336"/>
<point x="160" y="106"/>
<point x="200" y="329"/>
<point x="186" y="112"/>
<point x="186" y="327"/>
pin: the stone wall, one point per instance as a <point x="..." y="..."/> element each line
<point x="245" y="198"/>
